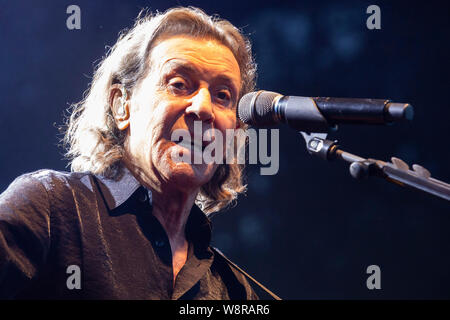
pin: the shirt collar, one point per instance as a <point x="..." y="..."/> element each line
<point x="118" y="191"/>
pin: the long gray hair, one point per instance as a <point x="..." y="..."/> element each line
<point x="92" y="139"/>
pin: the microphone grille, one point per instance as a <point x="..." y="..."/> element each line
<point x="256" y="108"/>
<point x="245" y="108"/>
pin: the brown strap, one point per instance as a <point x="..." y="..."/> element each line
<point x="246" y="274"/>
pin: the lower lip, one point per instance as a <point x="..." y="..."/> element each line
<point x="190" y="147"/>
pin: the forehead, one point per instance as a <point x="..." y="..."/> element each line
<point x="208" y="57"/>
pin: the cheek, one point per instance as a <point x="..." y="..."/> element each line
<point x="226" y="120"/>
<point x="180" y="123"/>
<point x="140" y="125"/>
<point x="157" y="117"/>
<point x="168" y="114"/>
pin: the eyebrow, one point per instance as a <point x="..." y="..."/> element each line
<point x="178" y="66"/>
<point x="184" y="67"/>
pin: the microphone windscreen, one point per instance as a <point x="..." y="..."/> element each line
<point x="244" y="109"/>
<point x="256" y="108"/>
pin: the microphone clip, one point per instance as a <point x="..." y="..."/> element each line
<point x="317" y="144"/>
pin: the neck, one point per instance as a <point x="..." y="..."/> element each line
<point x="171" y="206"/>
<point x="173" y="211"/>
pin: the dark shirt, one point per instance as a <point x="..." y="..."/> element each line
<point x="52" y="220"/>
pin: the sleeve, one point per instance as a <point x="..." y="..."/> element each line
<point x="24" y="233"/>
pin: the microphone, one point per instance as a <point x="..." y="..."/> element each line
<point x="267" y="109"/>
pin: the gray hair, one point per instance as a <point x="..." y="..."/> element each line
<point x="92" y="139"/>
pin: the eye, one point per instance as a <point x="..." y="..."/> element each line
<point x="224" y="96"/>
<point x="178" y="85"/>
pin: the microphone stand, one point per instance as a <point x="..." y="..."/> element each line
<point x="396" y="171"/>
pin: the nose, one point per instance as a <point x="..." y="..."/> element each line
<point x="201" y="106"/>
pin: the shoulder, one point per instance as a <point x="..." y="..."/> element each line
<point x="44" y="184"/>
<point x="51" y="178"/>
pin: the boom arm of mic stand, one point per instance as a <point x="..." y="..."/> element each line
<point x="396" y="171"/>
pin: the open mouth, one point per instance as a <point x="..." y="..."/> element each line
<point x="191" y="145"/>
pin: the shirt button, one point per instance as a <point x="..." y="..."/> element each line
<point x="159" y="243"/>
<point x="143" y="197"/>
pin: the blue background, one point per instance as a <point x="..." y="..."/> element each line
<point x="310" y="231"/>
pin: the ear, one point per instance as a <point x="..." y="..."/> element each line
<point x="120" y="105"/>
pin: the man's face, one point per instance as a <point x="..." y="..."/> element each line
<point x="190" y="80"/>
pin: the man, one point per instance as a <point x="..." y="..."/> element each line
<point x="124" y="224"/>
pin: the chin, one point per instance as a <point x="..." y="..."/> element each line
<point x="187" y="176"/>
<point x="188" y="179"/>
